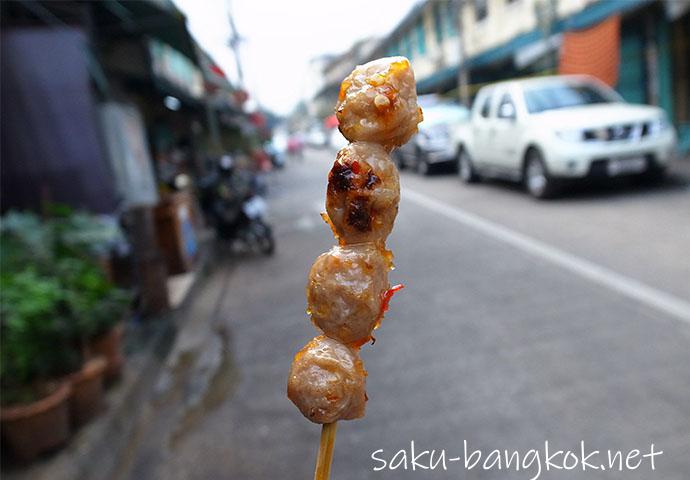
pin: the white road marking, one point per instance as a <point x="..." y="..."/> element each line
<point x="305" y="222"/>
<point x="627" y="286"/>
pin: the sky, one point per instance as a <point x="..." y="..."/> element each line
<point x="281" y="36"/>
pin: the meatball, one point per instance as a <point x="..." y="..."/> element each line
<point x="345" y="291"/>
<point x="327" y="381"/>
<point x="363" y="194"/>
<point x="378" y="103"/>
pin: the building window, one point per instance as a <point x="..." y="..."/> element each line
<point x="421" y="36"/>
<point x="481" y="10"/>
<point x="407" y="46"/>
<point x="438" y="23"/>
<point x="451" y="19"/>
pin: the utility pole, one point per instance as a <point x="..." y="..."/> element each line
<point x="234" y="43"/>
<point x="546" y="12"/>
<point x="463" y="73"/>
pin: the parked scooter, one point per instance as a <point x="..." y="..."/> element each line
<point x="231" y="200"/>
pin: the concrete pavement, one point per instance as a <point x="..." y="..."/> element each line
<point x="487" y="343"/>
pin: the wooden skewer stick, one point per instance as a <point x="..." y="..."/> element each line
<point x="325" y="456"/>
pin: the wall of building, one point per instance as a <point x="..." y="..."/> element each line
<point x="429" y="35"/>
<point x="506" y="19"/>
<point x="509" y="41"/>
<point x="429" y="38"/>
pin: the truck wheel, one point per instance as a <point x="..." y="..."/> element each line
<point x="422" y="166"/>
<point x="262" y="236"/>
<point x="465" y="167"/>
<point x="536" y="177"/>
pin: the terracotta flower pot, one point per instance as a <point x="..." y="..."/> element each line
<point x="109" y="345"/>
<point x="37" y="427"/>
<point x="87" y="391"/>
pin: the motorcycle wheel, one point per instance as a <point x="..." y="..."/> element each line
<point x="264" y="238"/>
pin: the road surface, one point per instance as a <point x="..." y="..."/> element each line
<point x="521" y="322"/>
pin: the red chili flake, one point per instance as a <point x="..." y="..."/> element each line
<point x="388" y="294"/>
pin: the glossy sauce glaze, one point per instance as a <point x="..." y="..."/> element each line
<point x="348" y="292"/>
<point x="345" y="291"/>
<point x="377" y="102"/>
<point x="327" y="381"/>
<point x="363" y="194"/>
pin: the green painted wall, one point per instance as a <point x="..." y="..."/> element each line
<point x="665" y="65"/>
<point x="632" y="75"/>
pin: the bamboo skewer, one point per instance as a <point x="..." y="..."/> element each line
<point x="325" y="455"/>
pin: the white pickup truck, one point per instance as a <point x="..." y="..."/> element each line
<point x="542" y="131"/>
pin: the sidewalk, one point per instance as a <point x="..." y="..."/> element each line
<point x="195" y="377"/>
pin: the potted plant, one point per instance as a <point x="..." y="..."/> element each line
<point x="99" y="306"/>
<point x="82" y="234"/>
<point x="34" y="352"/>
<point x="86" y="291"/>
<point x="87" y="399"/>
<point x="106" y="340"/>
<point x="66" y="252"/>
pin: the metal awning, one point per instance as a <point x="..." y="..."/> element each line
<point x="524" y="42"/>
<point x="159" y="19"/>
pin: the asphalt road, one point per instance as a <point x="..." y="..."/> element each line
<point x="521" y="322"/>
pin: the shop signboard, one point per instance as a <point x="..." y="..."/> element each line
<point x="176" y="69"/>
<point x="125" y="141"/>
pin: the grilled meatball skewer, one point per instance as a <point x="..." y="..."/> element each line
<point x="348" y="289"/>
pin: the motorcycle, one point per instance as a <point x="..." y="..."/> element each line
<point x="238" y="211"/>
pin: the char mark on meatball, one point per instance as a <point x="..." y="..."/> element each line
<point x="358" y="214"/>
<point x="341" y="177"/>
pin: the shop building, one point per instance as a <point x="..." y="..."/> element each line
<point x="105" y="104"/>
<point x="639" y="47"/>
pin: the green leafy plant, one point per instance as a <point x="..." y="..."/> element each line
<point x="25" y="240"/>
<point x="79" y="233"/>
<point x="36" y="333"/>
<point x="55" y="296"/>
<point x="95" y="304"/>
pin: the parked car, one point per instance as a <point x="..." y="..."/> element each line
<point x="336" y="139"/>
<point x="295" y="144"/>
<point x="276" y="156"/>
<point x="316" y="138"/>
<point x="277" y="148"/>
<point x="543" y="131"/>
<point x="434" y="145"/>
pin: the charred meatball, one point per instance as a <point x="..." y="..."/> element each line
<point x="363" y="194"/>
<point x="327" y="381"/>
<point x="378" y="103"/>
<point x="345" y="291"/>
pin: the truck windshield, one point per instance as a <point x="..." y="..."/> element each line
<point x="445" y="114"/>
<point x="563" y="95"/>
